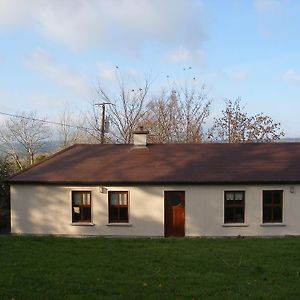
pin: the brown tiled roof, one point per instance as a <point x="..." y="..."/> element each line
<point x="168" y="163"/>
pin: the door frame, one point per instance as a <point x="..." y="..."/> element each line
<point x="166" y="211"/>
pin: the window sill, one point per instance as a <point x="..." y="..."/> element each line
<point x="235" y="225"/>
<point x="82" y="224"/>
<point x="119" y="224"/>
<point x="272" y="225"/>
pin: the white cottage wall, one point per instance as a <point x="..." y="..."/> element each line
<point x="46" y="209"/>
<point x="205" y="211"/>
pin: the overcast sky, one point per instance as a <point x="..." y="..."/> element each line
<point x="53" y="52"/>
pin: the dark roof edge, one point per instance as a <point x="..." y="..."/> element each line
<point x="155" y="183"/>
<point x="8" y="179"/>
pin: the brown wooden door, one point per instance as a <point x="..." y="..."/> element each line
<point x="174" y="213"/>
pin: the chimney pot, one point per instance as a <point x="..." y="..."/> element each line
<point x="140" y="137"/>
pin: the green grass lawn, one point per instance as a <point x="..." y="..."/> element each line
<point x="100" y="268"/>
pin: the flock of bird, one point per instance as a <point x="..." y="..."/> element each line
<point x="167" y="76"/>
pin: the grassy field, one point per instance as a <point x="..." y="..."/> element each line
<point x="100" y="268"/>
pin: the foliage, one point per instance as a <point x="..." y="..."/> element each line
<point x="6" y="169"/>
<point x="41" y="157"/>
<point x="99" y="268"/>
<point x="178" y="117"/>
<point x="236" y="126"/>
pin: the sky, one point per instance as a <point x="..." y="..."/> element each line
<point x="53" y="53"/>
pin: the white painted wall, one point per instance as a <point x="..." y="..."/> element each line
<point x="46" y="209"/>
<point x="205" y="211"/>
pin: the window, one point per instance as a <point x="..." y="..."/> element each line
<point x="234" y="206"/>
<point x="272" y="206"/>
<point x="81" y="207"/>
<point x="118" y="207"/>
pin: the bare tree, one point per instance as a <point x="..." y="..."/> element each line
<point x="71" y="130"/>
<point x="178" y="116"/>
<point x="175" y="116"/>
<point x="23" y="137"/>
<point x="162" y="118"/>
<point x="236" y="126"/>
<point x="126" y="109"/>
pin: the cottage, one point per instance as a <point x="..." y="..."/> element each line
<point x="161" y="190"/>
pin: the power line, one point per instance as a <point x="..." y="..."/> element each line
<point x="45" y="121"/>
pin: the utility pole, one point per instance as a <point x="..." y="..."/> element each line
<point x="102" y="129"/>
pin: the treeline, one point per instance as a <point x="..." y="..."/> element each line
<point x="178" y="115"/>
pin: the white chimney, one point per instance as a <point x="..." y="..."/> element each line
<point x="140" y="137"/>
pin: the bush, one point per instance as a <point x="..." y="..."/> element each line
<point x="6" y="169"/>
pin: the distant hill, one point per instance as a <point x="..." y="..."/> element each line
<point x="49" y="147"/>
<point x="289" y="140"/>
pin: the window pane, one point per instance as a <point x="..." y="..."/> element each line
<point x="267" y="214"/>
<point x="86" y="214"/>
<point x="114" y="199"/>
<point x="229" y="196"/>
<point x="277" y="214"/>
<point x="86" y="198"/>
<point x="277" y="197"/>
<point x="76" y="214"/>
<point x="174" y="200"/>
<point x="239" y="215"/>
<point x="267" y="197"/>
<point x="113" y="214"/>
<point x="123" y="214"/>
<point x="76" y="198"/>
<point x="228" y="215"/>
<point x="123" y="199"/>
<point x="239" y="196"/>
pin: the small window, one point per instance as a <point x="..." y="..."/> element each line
<point x="81" y="207"/>
<point x="118" y="207"/>
<point x="234" y="206"/>
<point x="272" y="206"/>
